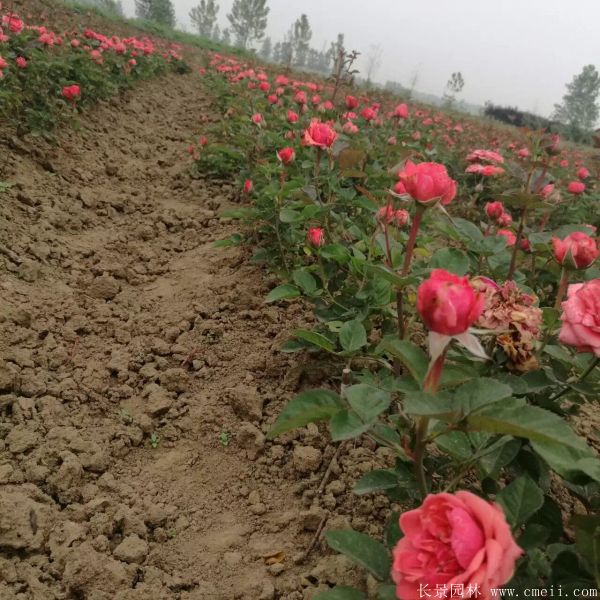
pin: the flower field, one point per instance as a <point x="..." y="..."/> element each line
<point x="266" y="336"/>
<point x="451" y="269"/>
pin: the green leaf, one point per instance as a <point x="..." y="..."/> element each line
<point x="409" y="354"/>
<point x="335" y="252"/>
<point x="456" y="444"/>
<point x="531" y="422"/>
<point x="367" y="401"/>
<point x="288" y="215"/>
<point x="304" y="280"/>
<point x="451" y="259"/>
<point x="314" y="338"/>
<point x="587" y="541"/>
<point x="346" y="425"/>
<point x="423" y="404"/>
<point x="353" y="335"/>
<point x="376" y="481"/>
<point x="572" y="464"/>
<point x="520" y="500"/>
<point x="233" y="240"/>
<point x="307" y="407"/>
<point x="362" y="549"/>
<point x="493" y="462"/>
<point x="469" y="232"/>
<point x="481" y="392"/>
<point x="282" y="292"/>
<point x="391" y="276"/>
<point x="340" y="593"/>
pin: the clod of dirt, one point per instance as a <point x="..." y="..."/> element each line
<point x="104" y="288"/>
<point x="307" y="459"/>
<point x="132" y="549"/>
<point x="246" y="402"/>
<point x="88" y="572"/>
<point x="9" y="377"/>
<point x="26" y="515"/>
<point x="251" y="439"/>
<point x="158" y="402"/>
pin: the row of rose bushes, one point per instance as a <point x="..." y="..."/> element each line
<point x="46" y="77"/>
<point x="452" y="271"/>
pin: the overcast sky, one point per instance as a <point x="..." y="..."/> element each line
<point x="517" y="52"/>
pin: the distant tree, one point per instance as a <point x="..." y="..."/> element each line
<point x="248" y="20"/>
<point x="454" y="86"/>
<point x="226" y="37"/>
<point x="161" y="11"/>
<point x="335" y="51"/>
<point x="302" y="34"/>
<point x="216" y="33"/>
<point x="373" y="62"/>
<point x="287" y="48"/>
<point x="277" y="52"/>
<point x="204" y="17"/>
<point x="266" y="49"/>
<point x="579" y="109"/>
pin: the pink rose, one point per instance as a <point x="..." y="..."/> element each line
<point x="286" y="155"/>
<point x="319" y="134"/>
<point x="494" y="209"/>
<point x="351" y="102"/>
<point x="315" y="237"/>
<point x="447" y="303"/>
<point x="428" y="182"/>
<point x="292" y="116"/>
<point x="510" y="237"/>
<point x="401" y="111"/>
<point x="504" y="220"/>
<point x="581" y="317"/>
<point x="454" y="539"/>
<point x="576" y="187"/>
<point x="71" y="92"/>
<point x="577" y="251"/>
<point x="583" y="173"/>
<point x="248" y="186"/>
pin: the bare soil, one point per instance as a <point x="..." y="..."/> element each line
<point x="139" y="371"/>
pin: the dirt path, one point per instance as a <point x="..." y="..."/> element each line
<point x="123" y="329"/>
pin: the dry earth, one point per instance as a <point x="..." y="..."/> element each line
<point x="139" y="371"/>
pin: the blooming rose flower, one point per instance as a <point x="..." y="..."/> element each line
<point x="286" y="155"/>
<point x="576" y="187"/>
<point x="447" y="303"/>
<point x="454" y="539"/>
<point x="351" y="102"/>
<point x="401" y="111"/>
<point x="485" y="170"/>
<point x="300" y="98"/>
<point x="292" y="116"/>
<point x="264" y="86"/>
<point x="581" y="317"/>
<point x="315" y="237"/>
<point x="350" y="128"/>
<point x="547" y="190"/>
<point x="71" y="92"/>
<point x="583" y="173"/>
<point x="428" y="182"/>
<point x="494" y="209"/>
<point x="368" y="114"/>
<point x="510" y="237"/>
<point x="257" y="118"/>
<point x="272" y="99"/>
<point x="399" y="189"/>
<point x="524" y="153"/>
<point x="504" y="220"/>
<point x="14" y="24"/>
<point x="577" y="251"/>
<point x="3" y="63"/>
<point x="485" y="156"/>
<point x="21" y="62"/>
<point x="248" y="186"/>
<point x="319" y="134"/>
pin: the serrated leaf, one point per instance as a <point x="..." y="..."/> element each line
<point x="409" y="354"/>
<point x="304" y="280"/>
<point x="481" y="392"/>
<point x="520" y="500"/>
<point x="376" y="481"/>
<point x="283" y="292"/>
<point x="439" y="405"/>
<point x="450" y="259"/>
<point x="307" y="407"/>
<point x="353" y="335"/>
<point x="314" y="338"/>
<point x="363" y="550"/>
<point x="367" y="401"/>
<point x="346" y="425"/>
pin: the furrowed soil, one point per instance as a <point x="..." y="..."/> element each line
<point x="139" y="371"/>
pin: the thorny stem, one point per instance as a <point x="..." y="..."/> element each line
<point x="410" y="247"/>
<point x="562" y="288"/>
<point x="430" y="385"/>
<point x="513" y="259"/>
